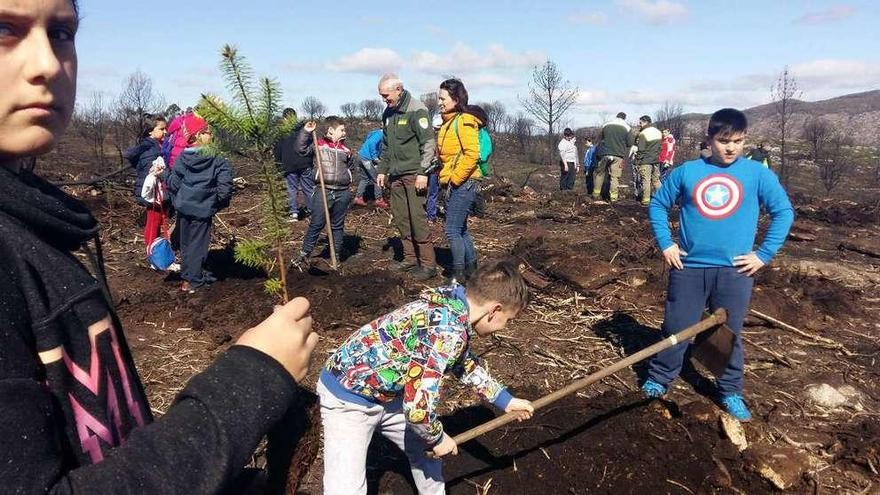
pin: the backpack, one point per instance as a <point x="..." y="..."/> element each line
<point x="485" y="140"/>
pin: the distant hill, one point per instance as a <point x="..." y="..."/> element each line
<point x="858" y="114"/>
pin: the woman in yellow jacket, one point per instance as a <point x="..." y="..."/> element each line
<point x="458" y="146"/>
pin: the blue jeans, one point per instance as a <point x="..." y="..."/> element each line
<point x="303" y="180"/>
<point x="458" y="207"/>
<point x="368" y="176"/>
<point x="433" y="196"/>
<point x="690" y="291"/>
<point x="337" y="203"/>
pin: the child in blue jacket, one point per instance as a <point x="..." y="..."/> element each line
<point x="200" y="185"/>
<point x="714" y="260"/>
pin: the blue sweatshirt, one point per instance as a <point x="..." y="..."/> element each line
<point x="589" y="154"/>
<point x="372" y="146"/>
<point x="719" y="211"/>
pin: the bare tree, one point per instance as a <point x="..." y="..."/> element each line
<point x="550" y="97"/>
<point x="371" y="109"/>
<point x="784" y="94"/>
<point x="349" y="110"/>
<point x="172" y="111"/>
<point x="496" y="114"/>
<point x="431" y="103"/>
<point x="93" y="122"/>
<point x="313" y="107"/>
<point x="671" y="115"/>
<point x="833" y="167"/>
<point x="817" y="131"/>
<point x="521" y="127"/>
<point x="137" y="99"/>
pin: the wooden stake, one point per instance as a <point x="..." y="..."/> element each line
<point x="324" y="198"/>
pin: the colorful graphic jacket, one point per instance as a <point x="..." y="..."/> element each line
<point x="406" y="353"/>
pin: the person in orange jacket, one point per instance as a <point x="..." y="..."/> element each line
<point x="459" y="151"/>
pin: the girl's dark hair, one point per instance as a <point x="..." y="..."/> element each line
<point x="149" y="122"/>
<point x="457" y="91"/>
<point x="726" y="122"/>
<point x="75" y="6"/>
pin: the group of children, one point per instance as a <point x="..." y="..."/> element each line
<point x="68" y="429"/>
<point x="190" y="183"/>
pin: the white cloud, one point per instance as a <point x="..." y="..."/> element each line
<point x="837" y="74"/>
<point x="462" y="58"/>
<point x="592" y="18"/>
<point x="588" y="98"/>
<point x="656" y="11"/>
<point x="369" y="61"/>
<point x="833" y="14"/>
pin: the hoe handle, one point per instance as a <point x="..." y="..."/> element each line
<point x="717" y="318"/>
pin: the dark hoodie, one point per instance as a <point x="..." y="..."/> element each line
<point x="75" y="418"/>
<point x="141" y="158"/>
<point x="199" y="184"/>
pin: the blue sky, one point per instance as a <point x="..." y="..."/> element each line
<point x="629" y="55"/>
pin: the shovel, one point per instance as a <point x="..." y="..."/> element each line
<point x="711" y="349"/>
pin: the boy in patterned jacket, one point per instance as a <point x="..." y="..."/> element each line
<point x="388" y="375"/>
<point x="714" y="260"/>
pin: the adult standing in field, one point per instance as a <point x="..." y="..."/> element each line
<point x="614" y="138"/>
<point x="460" y="174"/>
<point x="646" y="155"/>
<point x="406" y="161"/>
<point x="568" y="160"/>
<point x="667" y="153"/>
<point x="297" y="169"/>
<point x="760" y="155"/>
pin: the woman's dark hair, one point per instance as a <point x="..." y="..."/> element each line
<point x="75" y="6"/>
<point x="149" y="122"/>
<point x="457" y="91"/>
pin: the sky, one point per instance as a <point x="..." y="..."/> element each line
<point x="622" y="55"/>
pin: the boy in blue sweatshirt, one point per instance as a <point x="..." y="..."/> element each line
<point x="714" y="261"/>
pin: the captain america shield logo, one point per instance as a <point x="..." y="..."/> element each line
<point x="718" y="196"/>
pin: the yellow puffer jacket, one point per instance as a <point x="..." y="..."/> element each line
<point x="459" y="153"/>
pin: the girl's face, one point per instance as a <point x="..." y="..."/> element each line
<point x="205" y="137"/>
<point x="158" y="132"/>
<point x="37" y="74"/>
<point x="445" y="101"/>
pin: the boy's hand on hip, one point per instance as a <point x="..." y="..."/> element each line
<point x="748" y="263"/>
<point x="446" y="446"/>
<point x="380" y="180"/>
<point x="522" y="407"/>
<point x="673" y="255"/>
<point x="286" y="336"/>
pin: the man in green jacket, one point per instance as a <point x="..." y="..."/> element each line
<point x="407" y="159"/>
<point x="646" y="152"/>
<point x="613" y="147"/>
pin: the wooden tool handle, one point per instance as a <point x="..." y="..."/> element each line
<point x="717" y="318"/>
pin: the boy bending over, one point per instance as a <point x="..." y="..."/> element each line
<point x="388" y="374"/>
<point x="713" y="266"/>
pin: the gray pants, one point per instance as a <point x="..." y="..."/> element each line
<point x="195" y="240"/>
<point x="348" y="429"/>
<point x="368" y="178"/>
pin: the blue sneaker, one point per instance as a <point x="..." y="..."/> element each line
<point x="736" y="407"/>
<point x="653" y="390"/>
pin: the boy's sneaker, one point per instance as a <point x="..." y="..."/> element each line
<point x="653" y="390"/>
<point x="187" y="287"/>
<point x="359" y="202"/>
<point x="301" y="262"/>
<point x="423" y="273"/>
<point x="381" y="203"/>
<point x="174" y="268"/>
<point x="457" y="277"/>
<point x="736" y="407"/>
<point x="294" y="217"/>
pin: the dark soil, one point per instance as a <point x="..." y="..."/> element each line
<point x="608" y="444"/>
